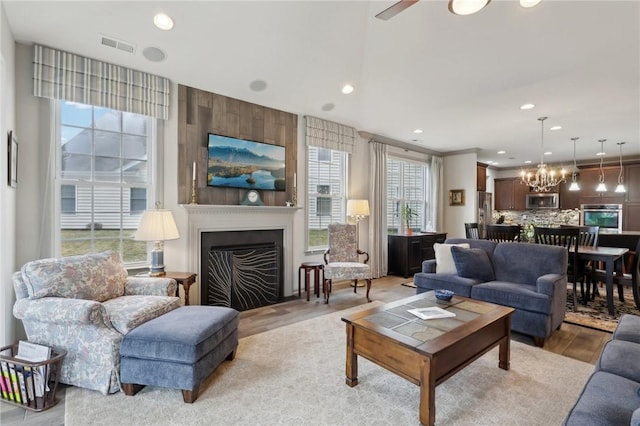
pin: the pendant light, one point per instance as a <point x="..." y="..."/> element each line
<point x="574" y="181"/>
<point x="542" y="179"/>
<point x="601" y="186"/>
<point x="620" y="187"/>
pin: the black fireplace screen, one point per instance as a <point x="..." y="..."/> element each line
<point x="243" y="277"/>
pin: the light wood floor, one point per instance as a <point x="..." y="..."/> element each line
<point x="572" y="341"/>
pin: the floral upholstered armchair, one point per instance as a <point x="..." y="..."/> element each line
<point x="342" y="259"/>
<point x="85" y="305"/>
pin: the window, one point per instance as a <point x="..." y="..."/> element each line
<point x="68" y="199"/>
<point x="407" y="184"/>
<point x="326" y="194"/>
<point x="137" y="200"/>
<point x="103" y="173"/>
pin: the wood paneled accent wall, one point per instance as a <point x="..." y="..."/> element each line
<point x="201" y="112"/>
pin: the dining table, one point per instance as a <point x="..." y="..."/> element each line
<point x="609" y="256"/>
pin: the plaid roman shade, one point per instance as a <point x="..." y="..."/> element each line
<point x="330" y="135"/>
<point x="63" y="75"/>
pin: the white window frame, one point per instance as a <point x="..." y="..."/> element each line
<point x="339" y="200"/>
<point x="153" y="184"/>
<point x="394" y="220"/>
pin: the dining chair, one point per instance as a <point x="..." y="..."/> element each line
<point x="503" y="233"/>
<point x="342" y="259"/>
<point x="565" y="237"/>
<point x="628" y="277"/>
<point x="472" y="231"/>
<point x="588" y="237"/>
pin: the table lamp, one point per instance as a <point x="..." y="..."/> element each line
<point x="158" y="226"/>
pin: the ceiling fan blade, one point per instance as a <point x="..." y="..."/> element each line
<point x="394" y="9"/>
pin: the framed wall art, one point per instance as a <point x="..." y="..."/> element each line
<point x="456" y="197"/>
<point x="12" y="147"/>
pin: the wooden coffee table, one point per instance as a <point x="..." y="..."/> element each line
<point x="427" y="352"/>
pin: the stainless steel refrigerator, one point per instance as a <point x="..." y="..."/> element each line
<point x="484" y="212"/>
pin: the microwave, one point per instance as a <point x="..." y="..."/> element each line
<point x="543" y="200"/>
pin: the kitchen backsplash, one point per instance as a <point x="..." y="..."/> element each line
<point x="538" y="217"/>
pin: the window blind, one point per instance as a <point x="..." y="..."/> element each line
<point x="62" y="75"/>
<point x="330" y="135"/>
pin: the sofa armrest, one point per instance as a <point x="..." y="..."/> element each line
<point x="429" y="266"/>
<point x="150" y="286"/>
<point x="60" y="310"/>
<point x="548" y="284"/>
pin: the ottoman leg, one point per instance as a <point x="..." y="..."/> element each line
<point x="189" y="396"/>
<point x="131" y="389"/>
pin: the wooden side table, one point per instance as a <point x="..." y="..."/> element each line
<point x="184" y="278"/>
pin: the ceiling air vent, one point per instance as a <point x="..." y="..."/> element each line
<point x="117" y="44"/>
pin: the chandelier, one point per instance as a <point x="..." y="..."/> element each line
<point x="544" y="178"/>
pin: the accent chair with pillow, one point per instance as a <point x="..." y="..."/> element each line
<point x="85" y="305"/>
<point x="531" y="278"/>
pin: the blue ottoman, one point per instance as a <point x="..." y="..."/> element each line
<point x="179" y="349"/>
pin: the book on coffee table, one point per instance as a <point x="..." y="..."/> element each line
<point x="431" y="313"/>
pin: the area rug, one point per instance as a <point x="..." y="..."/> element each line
<point x="295" y="375"/>
<point x="595" y="313"/>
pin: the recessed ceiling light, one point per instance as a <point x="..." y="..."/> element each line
<point x="527" y="106"/>
<point x="600" y="154"/>
<point x="555" y="128"/>
<point x="495" y="163"/>
<point x="163" y="21"/>
<point x="347" y="88"/>
<point x="527" y="162"/>
<point x="328" y="106"/>
<point x="417" y="131"/>
<point x="529" y="3"/>
<point x="548" y="153"/>
<point x="502" y="152"/>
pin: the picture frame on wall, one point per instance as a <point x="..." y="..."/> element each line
<point x="456" y="197"/>
<point x="12" y="159"/>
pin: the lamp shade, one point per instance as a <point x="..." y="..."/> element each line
<point x="157" y="225"/>
<point x="358" y="208"/>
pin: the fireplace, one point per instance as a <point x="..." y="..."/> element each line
<point x="241" y="269"/>
<point x="249" y="226"/>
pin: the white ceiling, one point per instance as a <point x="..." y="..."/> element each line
<point x="459" y="78"/>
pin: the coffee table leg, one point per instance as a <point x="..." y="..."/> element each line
<point x="505" y="346"/>
<point x="351" y="368"/>
<point x="427" y="393"/>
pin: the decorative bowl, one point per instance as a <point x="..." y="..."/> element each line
<point x="442" y="294"/>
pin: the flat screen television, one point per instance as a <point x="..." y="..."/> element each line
<point x="240" y="163"/>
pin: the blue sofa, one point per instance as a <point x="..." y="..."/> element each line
<point x="531" y="278"/>
<point x="611" y="396"/>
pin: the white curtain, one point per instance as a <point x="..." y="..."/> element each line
<point x="437" y="196"/>
<point x="378" y="214"/>
<point x="62" y="75"/>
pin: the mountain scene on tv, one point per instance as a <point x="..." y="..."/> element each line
<point x="238" y="163"/>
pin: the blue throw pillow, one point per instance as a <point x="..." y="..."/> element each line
<point x="473" y="263"/>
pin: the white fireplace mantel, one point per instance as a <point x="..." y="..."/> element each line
<point x="215" y="218"/>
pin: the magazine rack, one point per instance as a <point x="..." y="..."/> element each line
<point x="19" y="384"/>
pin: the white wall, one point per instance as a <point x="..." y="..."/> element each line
<point x="459" y="173"/>
<point x="7" y="194"/>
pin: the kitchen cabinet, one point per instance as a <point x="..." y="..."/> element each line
<point x="510" y="194"/>
<point x="406" y="252"/>
<point x="569" y="199"/>
<point x="631" y="209"/>
<point x="481" y="177"/>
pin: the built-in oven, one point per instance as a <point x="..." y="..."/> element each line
<point x="606" y="216"/>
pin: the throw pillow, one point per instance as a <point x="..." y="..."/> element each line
<point x="473" y="263"/>
<point x="444" y="260"/>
